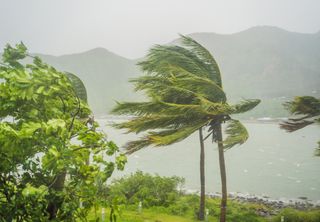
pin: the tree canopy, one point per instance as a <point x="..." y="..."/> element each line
<point x="184" y="90"/>
<point x="47" y="136"/>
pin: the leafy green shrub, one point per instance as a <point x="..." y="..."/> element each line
<point x="291" y="215"/>
<point x="47" y="136"/>
<point x="150" y="190"/>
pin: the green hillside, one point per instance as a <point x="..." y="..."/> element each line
<point x="262" y="62"/>
<point x="104" y="73"/>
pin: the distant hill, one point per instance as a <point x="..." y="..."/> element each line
<point x="104" y="74"/>
<point x="261" y="62"/>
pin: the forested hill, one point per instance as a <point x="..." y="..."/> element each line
<point x="262" y="62"/>
<point x="104" y="74"/>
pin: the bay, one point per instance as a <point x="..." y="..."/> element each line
<point x="271" y="163"/>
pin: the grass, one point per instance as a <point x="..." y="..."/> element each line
<point x="148" y="215"/>
<point x="239" y="213"/>
<point x="185" y="211"/>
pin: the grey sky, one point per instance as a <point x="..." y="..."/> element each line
<point x="130" y="27"/>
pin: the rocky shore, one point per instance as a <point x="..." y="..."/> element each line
<point x="272" y="206"/>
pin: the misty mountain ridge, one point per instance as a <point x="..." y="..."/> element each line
<point x="261" y="62"/>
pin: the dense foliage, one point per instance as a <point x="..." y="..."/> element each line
<point x="51" y="156"/>
<point x="145" y="188"/>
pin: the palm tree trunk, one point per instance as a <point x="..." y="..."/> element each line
<point x="223" y="206"/>
<point x="202" y="177"/>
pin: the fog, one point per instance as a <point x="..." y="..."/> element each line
<point x="130" y="27"/>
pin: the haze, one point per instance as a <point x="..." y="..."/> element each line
<point x="130" y="27"/>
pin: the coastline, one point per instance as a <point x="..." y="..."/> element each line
<point x="301" y="203"/>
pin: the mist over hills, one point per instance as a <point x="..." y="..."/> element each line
<point x="262" y="62"/>
<point x="104" y="74"/>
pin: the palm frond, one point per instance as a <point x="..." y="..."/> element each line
<point x="183" y="82"/>
<point x="307" y="107"/>
<point x="154" y="107"/>
<point x="205" y="108"/>
<point x="205" y="56"/>
<point x="168" y="137"/>
<point x="237" y="134"/>
<point x="136" y="145"/>
<point x="151" y="122"/>
<point x="304" y="105"/>
<point x="164" y="137"/>
<point x="295" y="124"/>
<point x="245" y="105"/>
<point x="160" y="56"/>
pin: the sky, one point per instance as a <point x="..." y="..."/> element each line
<point x="129" y="27"/>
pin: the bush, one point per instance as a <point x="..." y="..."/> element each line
<point x="150" y="190"/>
<point x="291" y="215"/>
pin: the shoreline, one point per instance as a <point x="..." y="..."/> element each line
<point x="301" y="203"/>
<point x="268" y="206"/>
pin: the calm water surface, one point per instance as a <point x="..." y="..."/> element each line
<point x="272" y="162"/>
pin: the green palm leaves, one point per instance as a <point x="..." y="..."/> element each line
<point x="308" y="110"/>
<point x="184" y="88"/>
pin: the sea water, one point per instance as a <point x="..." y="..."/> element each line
<point x="271" y="163"/>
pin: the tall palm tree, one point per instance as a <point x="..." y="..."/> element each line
<point x="184" y="90"/>
<point x="308" y="110"/>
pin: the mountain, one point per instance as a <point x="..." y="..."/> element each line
<point x="104" y="74"/>
<point x="262" y="62"/>
<point x="267" y="63"/>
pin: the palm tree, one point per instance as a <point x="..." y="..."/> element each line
<point x="184" y="90"/>
<point x="308" y="110"/>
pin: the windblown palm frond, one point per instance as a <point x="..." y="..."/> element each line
<point x="308" y="110"/>
<point x="206" y="57"/>
<point x="205" y="108"/>
<point x="304" y="105"/>
<point x="160" y="56"/>
<point x="140" y="124"/>
<point x="184" y="83"/>
<point x="164" y="137"/>
<point x="245" y="105"/>
<point x="237" y="134"/>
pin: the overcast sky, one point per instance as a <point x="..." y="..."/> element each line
<point x="130" y="27"/>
